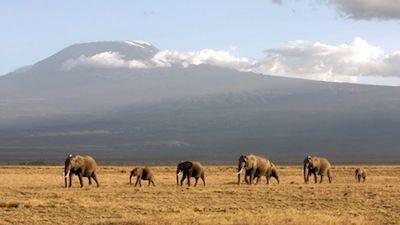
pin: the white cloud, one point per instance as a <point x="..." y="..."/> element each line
<point x="346" y="62"/>
<point x="205" y="56"/>
<point x="368" y="9"/>
<point x="279" y="2"/>
<point x="103" y="60"/>
<point x="356" y="61"/>
<point x="164" y="58"/>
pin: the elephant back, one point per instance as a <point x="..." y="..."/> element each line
<point x="325" y="165"/>
<point x="197" y="169"/>
<point x="147" y="173"/>
<point x="263" y="164"/>
<point x="90" y="165"/>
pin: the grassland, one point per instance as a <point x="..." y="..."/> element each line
<point x="36" y="195"/>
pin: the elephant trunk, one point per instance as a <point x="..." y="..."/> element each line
<point x="130" y="179"/>
<point x="305" y="172"/>
<point x="238" y="173"/>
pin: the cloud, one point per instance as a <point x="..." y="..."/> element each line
<point x="206" y="56"/>
<point x="279" y="2"/>
<point x="368" y="9"/>
<point x="103" y="60"/>
<point x="359" y="9"/>
<point x="163" y="58"/>
<point x="346" y="62"/>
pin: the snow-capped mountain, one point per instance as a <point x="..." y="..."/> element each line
<point x="75" y="55"/>
<point x="124" y="101"/>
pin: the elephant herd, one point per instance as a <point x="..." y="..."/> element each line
<point x="253" y="166"/>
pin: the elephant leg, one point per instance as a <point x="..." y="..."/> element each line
<point x="149" y="182"/>
<point x="203" y="179"/>
<point x="315" y="177"/>
<point x="137" y="181"/>
<point x="245" y="179"/>
<point x="94" y="176"/>
<point x="152" y="181"/>
<point x="256" y="180"/>
<point x="197" y="179"/>
<point x="322" y="177"/>
<point x="188" y="180"/>
<point x="252" y="177"/>
<point x="70" y="179"/>
<point x="80" y="179"/>
<point x="90" y="181"/>
<point x="140" y="182"/>
<point x="183" y="178"/>
<point x="329" y="176"/>
<point x="308" y="176"/>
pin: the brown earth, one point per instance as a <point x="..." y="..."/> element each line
<point x="36" y="195"/>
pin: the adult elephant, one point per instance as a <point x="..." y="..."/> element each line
<point x="190" y="169"/>
<point x="316" y="166"/>
<point x="83" y="166"/>
<point x="254" y="166"/>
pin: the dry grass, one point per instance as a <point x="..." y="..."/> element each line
<point x="35" y="195"/>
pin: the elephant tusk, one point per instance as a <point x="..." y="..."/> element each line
<point x="179" y="173"/>
<point x="66" y="175"/>
<point x="240" y="171"/>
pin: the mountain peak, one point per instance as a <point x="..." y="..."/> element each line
<point x="140" y="44"/>
<point x="126" y="50"/>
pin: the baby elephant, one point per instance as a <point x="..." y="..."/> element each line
<point x="142" y="174"/>
<point x="361" y="174"/>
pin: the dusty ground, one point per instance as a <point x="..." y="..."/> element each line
<point x="35" y="195"/>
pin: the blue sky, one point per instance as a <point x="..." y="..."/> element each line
<point x="33" y="30"/>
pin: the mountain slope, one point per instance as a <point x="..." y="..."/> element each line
<point x="126" y="115"/>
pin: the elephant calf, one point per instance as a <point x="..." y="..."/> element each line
<point x="361" y="174"/>
<point x="142" y="174"/>
<point x="190" y="169"/>
<point x="271" y="172"/>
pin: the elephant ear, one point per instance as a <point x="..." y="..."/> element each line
<point x="76" y="161"/>
<point x="189" y="165"/>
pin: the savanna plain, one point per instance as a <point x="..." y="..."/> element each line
<point x="36" y="195"/>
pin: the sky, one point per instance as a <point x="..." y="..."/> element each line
<point x="333" y="40"/>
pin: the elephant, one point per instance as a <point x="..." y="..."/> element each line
<point x="142" y="174"/>
<point x="83" y="166"/>
<point x="255" y="166"/>
<point x="316" y="166"/>
<point x="271" y="172"/>
<point x="361" y="174"/>
<point x="190" y="169"/>
<point x="75" y="172"/>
